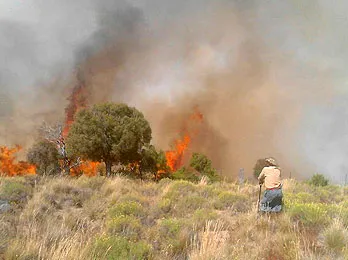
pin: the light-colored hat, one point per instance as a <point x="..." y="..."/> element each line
<point x="271" y="161"/>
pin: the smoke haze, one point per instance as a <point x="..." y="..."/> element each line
<point x="268" y="76"/>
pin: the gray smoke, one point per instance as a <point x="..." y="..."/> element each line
<point x="269" y="76"/>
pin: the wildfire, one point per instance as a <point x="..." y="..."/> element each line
<point x="8" y="164"/>
<point x="87" y="168"/>
<point x="77" y="100"/>
<point x="175" y="157"/>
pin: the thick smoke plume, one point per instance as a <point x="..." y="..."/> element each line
<point x="268" y="76"/>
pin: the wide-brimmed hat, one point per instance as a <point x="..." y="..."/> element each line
<point x="271" y="161"/>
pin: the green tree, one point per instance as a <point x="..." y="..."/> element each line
<point x="45" y="156"/>
<point x="203" y="165"/>
<point x="318" y="180"/>
<point x="112" y="133"/>
<point x="150" y="161"/>
<point x="260" y="164"/>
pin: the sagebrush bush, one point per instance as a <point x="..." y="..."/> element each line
<point x="309" y="214"/>
<point x="125" y="226"/>
<point x="174" y="235"/>
<point x="15" y="190"/>
<point x="114" y="247"/>
<point x="318" y="180"/>
<point x="202" y="216"/>
<point x="180" y="189"/>
<point x="127" y="208"/>
<point x="165" y="205"/>
<point x="227" y="199"/>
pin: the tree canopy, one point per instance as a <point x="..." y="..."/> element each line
<point x="318" y="180"/>
<point x="260" y="164"/>
<point x="203" y="165"/>
<point x="45" y="156"/>
<point x="109" y="132"/>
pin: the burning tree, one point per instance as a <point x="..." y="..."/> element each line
<point x="112" y="133"/>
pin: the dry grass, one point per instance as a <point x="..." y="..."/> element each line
<point x="118" y="218"/>
<point x="211" y="242"/>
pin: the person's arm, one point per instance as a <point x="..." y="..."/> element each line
<point x="262" y="176"/>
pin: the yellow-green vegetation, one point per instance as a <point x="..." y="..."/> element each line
<point x="120" y="218"/>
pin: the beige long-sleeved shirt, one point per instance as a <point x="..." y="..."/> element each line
<point x="270" y="176"/>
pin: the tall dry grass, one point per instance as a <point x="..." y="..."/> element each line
<point x="211" y="242"/>
<point x="86" y="218"/>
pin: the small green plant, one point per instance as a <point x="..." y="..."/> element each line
<point x="201" y="216"/>
<point x="185" y="174"/>
<point x="127" y="208"/>
<point x="180" y="189"/>
<point x="14" y="191"/>
<point x="173" y="235"/>
<point x="188" y="205"/>
<point x="114" y="247"/>
<point x="227" y="199"/>
<point x="165" y="205"/>
<point x="309" y="214"/>
<point x="170" y="227"/>
<point x="125" y="226"/>
<point x="318" y="180"/>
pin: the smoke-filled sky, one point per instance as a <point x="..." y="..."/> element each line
<point x="269" y="76"/>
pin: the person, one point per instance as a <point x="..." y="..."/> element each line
<point x="270" y="176"/>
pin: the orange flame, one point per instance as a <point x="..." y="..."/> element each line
<point x="175" y="157"/>
<point x="87" y="168"/>
<point x="77" y="101"/>
<point x="9" y="166"/>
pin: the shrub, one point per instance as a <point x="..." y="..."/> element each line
<point x="318" y="180"/>
<point x="44" y="155"/>
<point x="309" y="214"/>
<point x="114" y="247"/>
<point x="127" y="208"/>
<point x="227" y="199"/>
<point x="173" y="235"/>
<point x="201" y="216"/>
<point x="203" y="165"/>
<point x="180" y="189"/>
<point x="94" y="183"/>
<point x="170" y="227"/>
<point x="126" y="226"/>
<point x="335" y="237"/>
<point x="185" y="174"/>
<point x="188" y="204"/>
<point x="301" y="197"/>
<point x="165" y="205"/>
<point x="15" y="191"/>
<point x="208" y="191"/>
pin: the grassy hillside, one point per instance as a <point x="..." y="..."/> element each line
<point x="118" y="218"/>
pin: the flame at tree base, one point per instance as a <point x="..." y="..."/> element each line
<point x="86" y="168"/>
